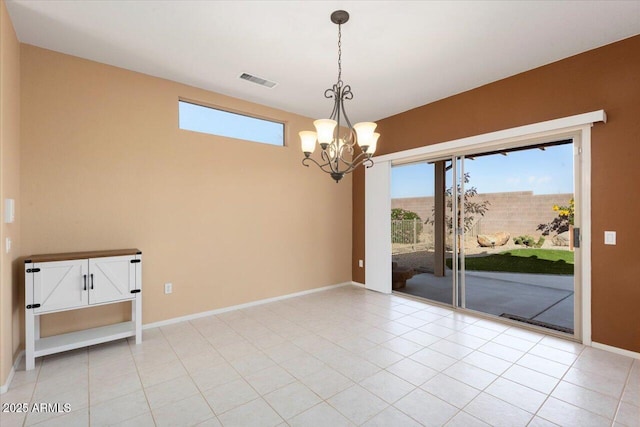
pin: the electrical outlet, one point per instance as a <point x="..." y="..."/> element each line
<point x="168" y="288"/>
<point x="360" y="263"/>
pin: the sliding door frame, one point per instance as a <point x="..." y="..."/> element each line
<point x="378" y="196"/>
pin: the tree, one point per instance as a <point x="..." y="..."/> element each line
<point x="471" y="207"/>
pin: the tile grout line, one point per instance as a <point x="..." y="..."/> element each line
<point x="624" y="388"/>
<point x="260" y="396"/>
<point x="189" y="374"/>
<point x="34" y="392"/>
<point x="144" y="391"/>
<point x="549" y="395"/>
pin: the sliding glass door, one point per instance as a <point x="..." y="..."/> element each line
<point x="518" y="221"/>
<point x="422" y="236"/>
<point x="494" y="232"/>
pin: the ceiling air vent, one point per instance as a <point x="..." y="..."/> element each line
<point x="257" y="80"/>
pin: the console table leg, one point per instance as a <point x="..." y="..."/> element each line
<point x="30" y="343"/>
<point x="137" y="317"/>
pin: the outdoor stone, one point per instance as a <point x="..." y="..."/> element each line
<point x="490" y="240"/>
<point x="561" y="239"/>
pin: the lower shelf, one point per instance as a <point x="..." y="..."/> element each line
<point x="84" y="338"/>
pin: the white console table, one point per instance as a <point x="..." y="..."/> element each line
<point x="73" y="281"/>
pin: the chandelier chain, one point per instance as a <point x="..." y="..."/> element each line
<point x="339" y="54"/>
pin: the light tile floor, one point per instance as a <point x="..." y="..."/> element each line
<point x="335" y="358"/>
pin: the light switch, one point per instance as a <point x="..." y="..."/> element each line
<point x="9" y="211"/>
<point x="7" y="245"/>
<point x="360" y="263"/>
<point x="609" y="237"/>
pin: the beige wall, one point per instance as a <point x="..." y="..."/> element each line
<point x="9" y="188"/>
<point x="104" y="166"/>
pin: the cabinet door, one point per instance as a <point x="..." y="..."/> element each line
<point x="111" y="279"/>
<point x="60" y="285"/>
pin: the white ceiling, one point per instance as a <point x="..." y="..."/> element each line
<point x="397" y="55"/>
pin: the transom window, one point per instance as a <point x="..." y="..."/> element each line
<point x="199" y="118"/>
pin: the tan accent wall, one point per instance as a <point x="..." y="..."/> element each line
<point x="605" y="78"/>
<point x="105" y="166"/>
<point x="9" y="188"/>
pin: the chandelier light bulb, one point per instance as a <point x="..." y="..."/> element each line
<point x="372" y="145"/>
<point x="325" y="128"/>
<point x="308" y="141"/>
<point x="364" y="132"/>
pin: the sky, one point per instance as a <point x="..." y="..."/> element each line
<point x="543" y="172"/>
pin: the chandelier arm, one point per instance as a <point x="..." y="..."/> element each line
<point x="349" y="149"/>
<point x="362" y="162"/>
<point x="304" y="162"/>
<point x="356" y="162"/>
<point x="347" y="95"/>
<point x="336" y="106"/>
<point x="330" y="93"/>
<point x="368" y="163"/>
<point x="326" y="167"/>
<point x="323" y="167"/>
<point x="327" y="158"/>
<point x="332" y="165"/>
<point x="329" y="168"/>
<point x="360" y="159"/>
<point x="346" y="118"/>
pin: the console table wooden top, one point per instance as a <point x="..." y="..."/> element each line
<point x="80" y="255"/>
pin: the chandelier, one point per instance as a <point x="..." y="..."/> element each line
<point x="338" y="151"/>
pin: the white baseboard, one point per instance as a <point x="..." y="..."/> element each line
<point x="5" y="387"/>
<point x="616" y="350"/>
<point x="241" y="306"/>
<point x="361" y="285"/>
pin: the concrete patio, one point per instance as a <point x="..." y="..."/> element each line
<point x="538" y="297"/>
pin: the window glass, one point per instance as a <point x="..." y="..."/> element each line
<point x="210" y="120"/>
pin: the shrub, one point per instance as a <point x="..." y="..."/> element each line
<point x="540" y="242"/>
<point x="561" y="223"/>
<point x="529" y="241"/>
<point x="403" y="223"/>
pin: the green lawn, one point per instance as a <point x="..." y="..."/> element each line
<point x="542" y="261"/>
